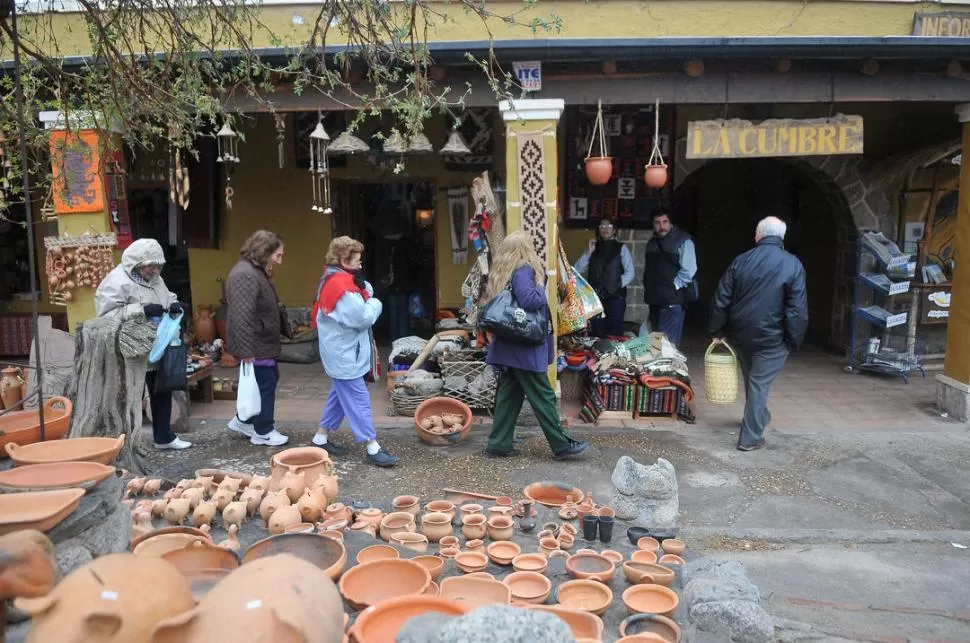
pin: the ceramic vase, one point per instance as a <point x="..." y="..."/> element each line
<point x="11" y="387"/>
<point x="205" y="325"/>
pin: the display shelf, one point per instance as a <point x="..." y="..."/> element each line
<point x="881" y="317"/>
<point x="884" y="284"/>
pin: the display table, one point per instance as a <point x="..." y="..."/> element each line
<point x="200" y="385"/>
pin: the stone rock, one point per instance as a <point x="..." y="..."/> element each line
<point x="741" y="621"/>
<point x="712" y="568"/>
<point x="423" y="628"/>
<point x="70" y="557"/>
<point x="712" y="590"/>
<point x="645" y="495"/>
<point x="506" y="624"/>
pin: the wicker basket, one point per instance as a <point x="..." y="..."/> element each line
<point x="406" y="405"/>
<point x="720" y="374"/>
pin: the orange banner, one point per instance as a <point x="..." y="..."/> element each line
<point x="76" y="163"/>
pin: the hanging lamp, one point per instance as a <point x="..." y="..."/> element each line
<point x="456" y="145"/>
<point x="395" y="144"/>
<point x="347" y="143"/>
<point x="419" y="144"/>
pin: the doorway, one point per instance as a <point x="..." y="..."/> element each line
<point x="152" y="217"/>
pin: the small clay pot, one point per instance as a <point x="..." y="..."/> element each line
<point x="614" y="556"/>
<point x="411" y="540"/>
<point x="448" y="541"/>
<point x="503" y="551"/>
<point x="442" y="506"/>
<point x="530" y="563"/>
<point x="473" y="526"/>
<point x="528" y="587"/>
<point x="371" y="515"/>
<point x="548" y="545"/>
<point x="648" y="543"/>
<point x="471" y="561"/>
<point x="408" y="504"/>
<point x="550" y="526"/>
<point x="396" y="522"/>
<point x="470" y="508"/>
<point x="436" y="526"/>
<point x="651" y="599"/>
<point x="365" y="527"/>
<point x="500" y="528"/>
<point x="503" y="501"/>
<point x="566" y="541"/>
<point x="376" y="552"/>
<point x="475" y="545"/>
<point x="673" y="546"/>
<point x="435" y="565"/>
<point x="672" y="559"/>
<point x="644" y="556"/>
<point x="448" y="552"/>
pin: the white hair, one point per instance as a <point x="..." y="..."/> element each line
<point x="771" y="227"/>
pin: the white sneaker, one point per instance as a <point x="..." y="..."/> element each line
<point x="272" y="439"/>
<point x="237" y="425"/>
<point x="175" y="445"/>
<point x="319" y="439"/>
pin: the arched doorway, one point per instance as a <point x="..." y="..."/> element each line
<point x="721" y="202"/>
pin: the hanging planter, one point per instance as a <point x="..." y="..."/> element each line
<point x="655" y="173"/>
<point x="599" y="169"/>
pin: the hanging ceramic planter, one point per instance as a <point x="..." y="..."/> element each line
<point x="655" y="173"/>
<point x="599" y="169"/>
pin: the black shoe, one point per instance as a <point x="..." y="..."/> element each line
<point x="754" y="447"/>
<point x="501" y="454"/>
<point x="576" y="447"/>
<point x="382" y="459"/>
<point x="333" y="449"/>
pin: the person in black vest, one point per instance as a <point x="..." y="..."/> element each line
<point x="669" y="266"/>
<point x="610" y="270"/>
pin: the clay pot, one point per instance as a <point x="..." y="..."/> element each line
<point x="475" y="591"/>
<point x="448" y="552"/>
<point x="584" y="626"/>
<point x="528" y="587"/>
<point x="282" y="518"/>
<point x="396" y="522"/>
<point x="638" y="573"/>
<point x="471" y="561"/>
<point x="270" y="503"/>
<point x="436" y="526"/>
<point x="470" y="508"/>
<point x="672" y="559"/>
<point x="371" y="515"/>
<point x="500" y="527"/>
<point x="586" y="595"/>
<point x="651" y="599"/>
<point x="475" y="545"/>
<point x="365" y="527"/>
<point x="297" y="602"/>
<point x="78" y="610"/>
<point x="449" y="541"/>
<point x="648" y="543"/>
<point x="566" y="541"/>
<point x="381" y="623"/>
<point x="442" y="506"/>
<point x="376" y="552"/>
<point x="381" y="580"/>
<point x="548" y="545"/>
<point x="408" y="504"/>
<point x="655" y="176"/>
<point x="591" y="567"/>
<point x="434" y="564"/>
<point x="530" y="563"/>
<point x="312" y="462"/>
<point x="340" y="510"/>
<point x="312" y="505"/>
<point x="613" y="556"/>
<point x="651" y="623"/>
<point x="568" y="528"/>
<point x="502" y="552"/>
<point x="205" y="326"/>
<point x="643" y="556"/>
<point x="473" y="526"/>
<point x="198" y="554"/>
<point x="11" y="387"/>
<point x="599" y="169"/>
<point x="326" y="554"/>
<point x="411" y="540"/>
<point x="673" y="546"/>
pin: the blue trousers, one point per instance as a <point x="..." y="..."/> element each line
<point x="350" y="399"/>
<point x="398" y="319"/>
<point x="759" y="367"/>
<point x="668" y="320"/>
<point x="611" y="322"/>
<point x="267" y="377"/>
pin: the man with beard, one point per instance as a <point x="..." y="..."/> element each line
<point x="669" y="266"/>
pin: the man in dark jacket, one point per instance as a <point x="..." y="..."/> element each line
<point x="761" y="305"/>
<point x="609" y="267"/>
<point x="669" y="266"/>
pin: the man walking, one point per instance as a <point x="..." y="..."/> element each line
<point x="761" y="305"/>
<point x="610" y="266"/>
<point x="669" y="266"/>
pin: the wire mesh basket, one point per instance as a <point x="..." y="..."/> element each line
<point x="468" y="378"/>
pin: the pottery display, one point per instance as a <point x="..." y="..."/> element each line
<point x="586" y="595"/>
<point x="40" y="510"/>
<point x="434" y="564"/>
<point x="500" y="527"/>
<point x="381" y="623"/>
<point x="643" y="556"/>
<point x="651" y="599"/>
<point x="198" y="555"/>
<point x="471" y="561"/>
<point x="410" y="540"/>
<point x="285" y="516"/>
<point x="407" y="504"/>
<point x="590" y="566"/>
<point x="638" y="573"/>
<point x="436" y="526"/>
<point x="396" y="522"/>
<point x="326" y="554"/>
<point x="528" y="587"/>
<point x="583" y="624"/>
<point x="23" y="427"/>
<point x="648" y="543"/>
<point x="672" y="559"/>
<point x="161" y="541"/>
<point x="377" y="552"/>
<point x="371" y="583"/>
<point x="473" y="526"/>
<point x="11" y="388"/>
<point x="475" y="592"/>
<point x="312" y="462"/>
<point x="673" y="546"/>
<point x="280" y="598"/>
<point x="103" y="450"/>
<point x="502" y="552"/>
<point x="105" y="598"/>
<point x="552" y="494"/>
<point x="442" y="506"/>
<point x="205" y="325"/>
<point x="530" y="563"/>
<point x="60" y="475"/>
<point x="652" y="623"/>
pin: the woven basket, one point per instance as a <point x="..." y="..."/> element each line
<point x="720" y="374"/>
<point x="406" y="405"/>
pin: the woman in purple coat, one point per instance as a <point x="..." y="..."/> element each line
<point x="524" y="367"/>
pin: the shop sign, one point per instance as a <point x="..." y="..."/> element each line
<point x="948" y="24"/>
<point x="529" y="74"/>
<point x="777" y="137"/>
<point x="936" y="305"/>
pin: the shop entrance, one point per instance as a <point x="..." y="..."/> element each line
<point x="721" y="203"/>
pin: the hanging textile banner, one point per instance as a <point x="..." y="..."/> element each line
<point x="458" y="220"/>
<point x="532" y="187"/>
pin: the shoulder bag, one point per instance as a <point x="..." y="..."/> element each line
<point x="504" y="318"/>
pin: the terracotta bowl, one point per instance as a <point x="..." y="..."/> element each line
<point x="504" y="501"/>
<point x="648" y="543"/>
<point x="583" y="624"/>
<point x="377" y="552"/>
<point x="411" y="540"/>
<point x="528" y="587"/>
<point x="643" y="556"/>
<point x="439" y="406"/>
<point x="673" y="546"/>
<point x="652" y="623"/>
<point x="433" y="589"/>
<point x="475" y="591"/>
<point x="552" y="494"/>
<point x="591" y="566"/>
<point x="586" y="595"/>
<point x="199" y="555"/>
<point x="657" y="574"/>
<point x="59" y="475"/>
<point x="301" y="528"/>
<point x="471" y="561"/>
<point x="484" y="575"/>
<point x="409" y="504"/>
<point x="647" y="637"/>
<point x="381" y="580"/>
<point x="326" y="553"/>
<point x="40" y="510"/>
<point x="381" y="623"/>
<point x="162" y="541"/>
<point x="530" y="563"/>
<point x="102" y="450"/>
<point x="449" y="541"/>
<point x="475" y="544"/>
<point x="672" y="559"/>
<point x="434" y="564"/>
<point x="651" y="599"/>
<point x="395" y="522"/>
<point x="613" y="556"/>
<point x="503" y="551"/>
<point x="448" y="552"/>
<point x="471" y="508"/>
<point x="441" y="506"/>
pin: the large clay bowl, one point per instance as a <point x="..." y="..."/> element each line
<point x="590" y="566"/>
<point x="162" y="541"/>
<point x="23" y="427"/>
<point x="55" y="475"/>
<point x="372" y="583"/>
<point x="103" y="450"/>
<point x="530" y="563"/>
<point x="651" y="623"/>
<point x="647" y="637"/>
<point x="377" y="552"/>
<point x="651" y="599"/>
<point x="326" y="553"/>
<point x="586" y="595"/>
<point x="40" y="510"/>
<point x="673" y="546"/>
<point x="434" y="564"/>
<point x="583" y="624"/>
<point x="502" y="552"/>
<point x="475" y="591"/>
<point x="528" y="587"/>
<point x="552" y="494"/>
<point x="381" y="623"/>
<point x="440" y="406"/>
<point x="198" y="555"/>
<point x="638" y="573"/>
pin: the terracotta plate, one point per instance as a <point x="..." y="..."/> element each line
<point x="40" y="510"/>
<point x="103" y="450"/>
<point x="552" y="494"/>
<point x="58" y="475"/>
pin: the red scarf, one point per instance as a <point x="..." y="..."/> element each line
<point x="332" y="288"/>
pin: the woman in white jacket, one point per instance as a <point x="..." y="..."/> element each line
<point x="134" y="287"/>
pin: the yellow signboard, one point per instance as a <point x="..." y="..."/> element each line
<point x="840" y="134"/>
<point x="948" y="24"/>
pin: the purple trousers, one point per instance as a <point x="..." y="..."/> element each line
<point x="350" y="399"/>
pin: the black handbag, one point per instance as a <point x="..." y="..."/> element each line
<point x="504" y="318"/>
<point x="171" y="374"/>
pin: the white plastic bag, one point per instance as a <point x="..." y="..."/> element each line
<point x="248" y="403"/>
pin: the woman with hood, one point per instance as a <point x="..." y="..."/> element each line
<point x="135" y="286"/>
<point x="346" y="309"/>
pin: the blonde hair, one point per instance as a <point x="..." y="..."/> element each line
<point x="517" y="250"/>
<point x="342" y="249"/>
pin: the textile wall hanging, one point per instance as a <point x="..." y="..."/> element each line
<point x="478" y="129"/>
<point x="458" y="220"/>
<point x="532" y="188"/>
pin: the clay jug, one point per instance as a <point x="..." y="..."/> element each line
<point x="105" y="600"/>
<point x="297" y="603"/>
<point x="313" y="462"/>
<point x="11" y="387"/>
<point x="205" y="325"/>
<point x="282" y="518"/>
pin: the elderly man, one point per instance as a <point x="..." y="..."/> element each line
<point x="610" y="267"/>
<point x="761" y="305"/>
<point x="669" y="266"/>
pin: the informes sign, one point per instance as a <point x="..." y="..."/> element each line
<point x="946" y="24"/>
<point x="529" y="74"/>
<point x="720" y="139"/>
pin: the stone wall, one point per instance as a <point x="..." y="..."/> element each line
<point x="636" y="241"/>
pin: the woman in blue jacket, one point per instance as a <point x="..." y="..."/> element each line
<point x="346" y="311"/>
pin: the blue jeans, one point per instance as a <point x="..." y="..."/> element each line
<point x="350" y="399"/>
<point x="398" y="319"/>
<point x="611" y="323"/>
<point x="668" y="320"/>
<point x="267" y="377"/>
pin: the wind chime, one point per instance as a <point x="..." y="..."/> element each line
<point x="320" y="168"/>
<point x="6" y="172"/>
<point x="228" y="144"/>
<point x="280" y="139"/>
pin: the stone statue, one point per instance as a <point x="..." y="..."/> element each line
<point x="645" y="495"/>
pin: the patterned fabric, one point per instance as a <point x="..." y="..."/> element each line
<point x="532" y="187"/>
